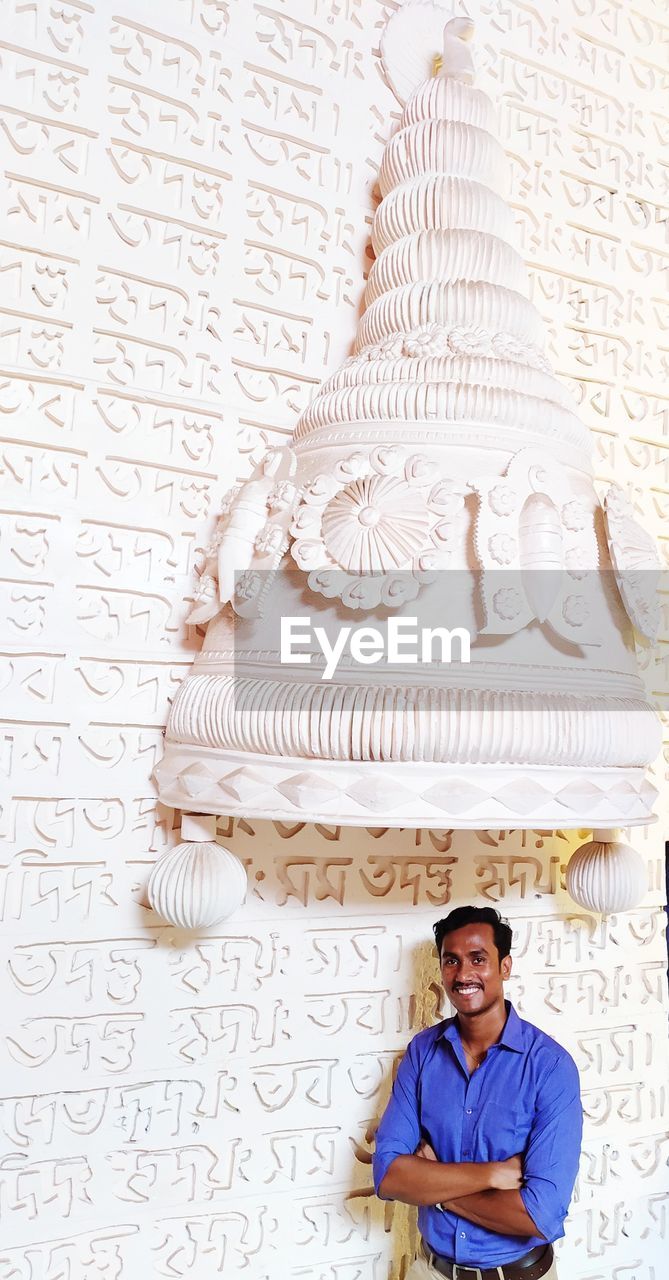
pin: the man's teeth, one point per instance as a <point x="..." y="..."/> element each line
<point x="472" y="987"/>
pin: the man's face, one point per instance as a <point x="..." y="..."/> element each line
<point x="471" y="970"/>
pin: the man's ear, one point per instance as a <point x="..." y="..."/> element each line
<point x="506" y="967"/>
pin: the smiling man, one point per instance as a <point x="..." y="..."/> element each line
<point x="483" y="1127"/>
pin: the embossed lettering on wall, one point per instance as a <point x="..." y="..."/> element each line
<point x="186" y="202"/>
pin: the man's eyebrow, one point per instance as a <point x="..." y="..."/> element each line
<point x="476" y="951"/>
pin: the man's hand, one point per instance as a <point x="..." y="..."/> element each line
<point x="423" y="1179"/>
<point x="507" y="1175"/>
<point x="500" y="1208"/>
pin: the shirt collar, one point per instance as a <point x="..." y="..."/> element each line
<point x="511" y="1037"/>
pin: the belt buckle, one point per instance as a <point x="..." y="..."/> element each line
<point x="458" y="1269"/>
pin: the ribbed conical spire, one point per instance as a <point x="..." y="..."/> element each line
<point x="449" y="334"/>
<point x="443" y="469"/>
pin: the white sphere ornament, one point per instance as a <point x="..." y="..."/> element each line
<point x="198" y="883"/>
<point x="606" y="875"/>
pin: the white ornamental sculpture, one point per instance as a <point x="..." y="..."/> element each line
<point x="444" y="465"/>
<point x="197" y="883"/>
<point x="606" y="875"/>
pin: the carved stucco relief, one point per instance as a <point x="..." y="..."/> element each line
<point x="187" y="198"/>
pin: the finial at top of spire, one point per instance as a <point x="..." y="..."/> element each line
<point x="413" y="36"/>
<point x="456" y="60"/>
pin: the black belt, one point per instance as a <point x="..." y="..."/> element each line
<point x="531" y="1266"/>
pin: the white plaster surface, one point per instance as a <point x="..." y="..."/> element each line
<point x="186" y="206"/>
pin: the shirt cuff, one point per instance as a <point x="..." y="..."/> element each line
<point x="551" y="1229"/>
<point x="381" y="1163"/>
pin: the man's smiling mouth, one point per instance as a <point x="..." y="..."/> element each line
<point x="468" y="988"/>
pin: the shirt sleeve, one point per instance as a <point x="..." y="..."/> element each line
<point x="550" y="1161"/>
<point x="398" y="1133"/>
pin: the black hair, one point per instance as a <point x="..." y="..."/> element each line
<point x="461" y="916"/>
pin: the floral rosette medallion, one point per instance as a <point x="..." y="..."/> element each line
<point x="359" y="532"/>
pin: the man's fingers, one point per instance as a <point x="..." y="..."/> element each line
<point x="425" y="1151"/>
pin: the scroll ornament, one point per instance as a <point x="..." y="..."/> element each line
<point x="532" y="524"/>
<point x="250" y="540"/>
<point x="636" y="563"/>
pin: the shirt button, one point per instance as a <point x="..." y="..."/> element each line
<point x="469" y="1111"/>
<point x="463" y="1235"/>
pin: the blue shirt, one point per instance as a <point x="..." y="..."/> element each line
<point x="524" y="1098"/>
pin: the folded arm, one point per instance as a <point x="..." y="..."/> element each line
<point x="500" y="1211"/>
<point x="550" y="1165"/>
<point x="414" y="1180"/>
<point x="401" y="1174"/>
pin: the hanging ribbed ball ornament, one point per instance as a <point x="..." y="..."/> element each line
<point x="606" y="875"/>
<point x="198" y="883"/>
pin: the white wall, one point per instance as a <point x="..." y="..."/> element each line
<point x="187" y="194"/>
